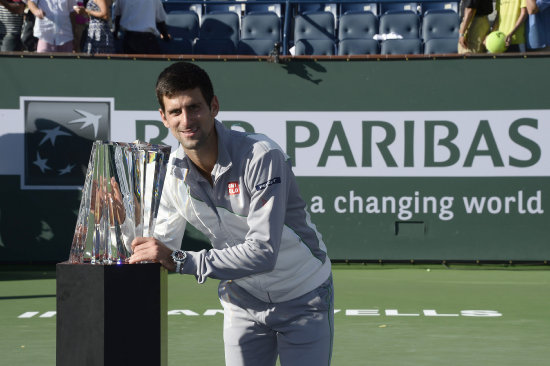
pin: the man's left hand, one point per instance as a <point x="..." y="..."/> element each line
<point x="151" y="249"/>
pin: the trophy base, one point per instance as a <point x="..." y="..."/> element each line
<point x="111" y="314"/>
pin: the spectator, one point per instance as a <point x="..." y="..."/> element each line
<point x="99" y="38"/>
<point x="11" y="23"/>
<point x="141" y="21"/>
<point x="80" y="27"/>
<point x="538" y="25"/>
<point x="55" y="21"/>
<point x="27" y="35"/>
<point x="474" y="26"/>
<point x="510" y="20"/>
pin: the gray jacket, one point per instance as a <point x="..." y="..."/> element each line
<point x="254" y="216"/>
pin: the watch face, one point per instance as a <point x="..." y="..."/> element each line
<point x="178" y="255"/>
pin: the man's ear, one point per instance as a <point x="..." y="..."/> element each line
<point x="214" y="106"/>
<point x="163" y="117"/>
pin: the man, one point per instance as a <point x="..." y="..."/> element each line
<point x="11" y="23"/>
<point x="474" y="26"/>
<point x="538" y="25"/>
<point x="55" y="21"/>
<point x="141" y="21"/>
<point x="239" y="190"/>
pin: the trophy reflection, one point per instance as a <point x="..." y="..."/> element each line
<point x="120" y="200"/>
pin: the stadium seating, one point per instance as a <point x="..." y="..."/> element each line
<point x="259" y="33"/>
<point x="325" y="47"/>
<point x="358" y="25"/>
<point x="389" y="7"/>
<point x="440" y="32"/>
<point x="314" y="28"/>
<point x="355" y="34"/>
<point x="174" y="6"/>
<point x="314" y="34"/>
<point x="358" y="8"/>
<point x="184" y="29"/>
<point x="440" y="25"/>
<point x="438" y="6"/>
<point x="349" y="47"/>
<point x="405" y="24"/>
<point x="252" y="7"/>
<point x="219" y="34"/>
<point x="309" y="7"/>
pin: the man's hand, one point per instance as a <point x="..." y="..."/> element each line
<point x="150" y="249"/>
<point x="462" y="41"/>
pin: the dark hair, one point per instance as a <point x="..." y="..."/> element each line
<point x="181" y="76"/>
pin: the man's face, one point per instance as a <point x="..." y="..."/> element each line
<point x="190" y="119"/>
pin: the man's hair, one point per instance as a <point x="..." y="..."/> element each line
<point x="181" y="76"/>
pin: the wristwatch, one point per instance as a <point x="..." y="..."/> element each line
<point x="179" y="256"/>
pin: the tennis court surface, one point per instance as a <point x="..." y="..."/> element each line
<point x="385" y="315"/>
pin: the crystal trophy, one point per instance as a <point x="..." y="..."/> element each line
<point x="120" y="200"/>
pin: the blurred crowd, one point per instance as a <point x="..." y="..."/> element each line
<point x="90" y="26"/>
<point x="518" y="25"/>
<point x="97" y="26"/>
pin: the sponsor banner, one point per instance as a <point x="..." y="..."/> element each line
<point x="54" y="135"/>
<point x="407" y="144"/>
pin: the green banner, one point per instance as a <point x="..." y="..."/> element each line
<point x="417" y="159"/>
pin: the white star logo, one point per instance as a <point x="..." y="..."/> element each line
<point x="66" y="170"/>
<point x="41" y="163"/>
<point x="88" y="120"/>
<point x="52" y="134"/>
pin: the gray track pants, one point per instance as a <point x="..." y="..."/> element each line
<point x="300" y="331"/>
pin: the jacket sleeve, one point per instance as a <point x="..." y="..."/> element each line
<point x="266" y="178"/>
<point x="170" y="224"/>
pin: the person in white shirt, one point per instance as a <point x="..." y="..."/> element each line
<point x="54" y="24"/>
<point x="142" y="22"/>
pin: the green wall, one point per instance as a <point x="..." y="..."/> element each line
<point x="37" y="225"/>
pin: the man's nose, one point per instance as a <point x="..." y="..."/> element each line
<point x="184" y="118"/>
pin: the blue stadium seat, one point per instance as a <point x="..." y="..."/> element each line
<point x="175" y="6"/>
<point x="346" y="8"/>
<point x="357" y="25"/>
<point x="348" y="47"/>
<point x="313" y="27"/>
<point x="259" y="33"/>
<point x="325" y="47"/>
<point x="387" y="7"/>
<point x="441" y="45"/>
<point x="220" y="31"/>
<point x="319" y="25"/>
<point x="428" y="7"/>
<point x="409" y="46"/>
<point x="355" y="34"/>
<point x="312" y="7"/>
<point x="223" y="8"/>
<point x="440" y="25"/>
<point x="406" y="24"/>
<point x="251" y="7"/>
<point x="184" y="29"/>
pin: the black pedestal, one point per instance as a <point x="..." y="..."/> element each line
<point x="111" y="315"/>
